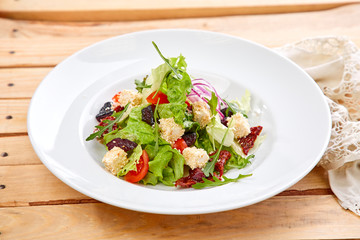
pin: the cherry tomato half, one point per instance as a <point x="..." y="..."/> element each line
<point x="160" y="95"/>
<point x="142" y="169"/>
<point x="180" y="145"/>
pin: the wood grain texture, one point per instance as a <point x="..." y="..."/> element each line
<point x="11" y="146"/>
<point x="20" y="82"/>
<point x="46" y="44"/>
<point x="107" y="10"/>
<point x="13" y="115"/>
<point x="32" y="183"/>
<point x="35" y="185"/>
<point x="299" y="217"/>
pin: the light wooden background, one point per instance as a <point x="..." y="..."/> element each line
<point x="36" y="205"/>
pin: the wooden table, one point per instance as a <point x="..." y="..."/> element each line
<point x="36" y="205"/>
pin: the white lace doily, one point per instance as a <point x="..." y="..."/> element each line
<point x="334" y="63"/>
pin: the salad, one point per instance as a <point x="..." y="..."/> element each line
<point x="176" y="130"/>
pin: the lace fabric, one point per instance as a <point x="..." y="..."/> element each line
<point x="334" y="63"/>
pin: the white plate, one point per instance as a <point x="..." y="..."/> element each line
<point x="286" y="101"/>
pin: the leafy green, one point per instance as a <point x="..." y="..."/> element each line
<point x="243" y="105"/>
<point x="210" y="166"/>
<point x="217" y="131"/>
<point x="232" y="106"/>
<point x="217" y="182"/>
<point x="237" y="161"/>
<point x="203" y="141"/>
<point x="168" y="165"/>
<point x="166" y="60"/>
<point x="140" y="85"/>
<point x="177" y="84"/>
<point x="213" y="103"/>
<point x="161" y="161"/>
<point x="156" y="78"/>
<point x="102" y="129"/>
<point x="175" y="110"/>
<point x="156" y="128"/>
<point x="177" y="164"/>
<point x="150" y="179"/>
<point x="168" y="177"/>
<point x="133" y="160"/>
<point x="135" y="130"/>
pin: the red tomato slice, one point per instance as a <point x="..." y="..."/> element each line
<point x="180" y="145"/>
<point x="142" y="169"/>
<point x="160" y="95"/>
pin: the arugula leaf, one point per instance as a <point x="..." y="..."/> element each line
<point x="213" y="103"/>
<point x="234" y="108"/>
<point x="218" y="182"/>
<point x="156" y="128"/>
<point x="166" y="60"/>
<point x="140" y="85"/>
<point x="210" y="166"/>
<point x="237" y="161"/>
<point x="102" y="129"/>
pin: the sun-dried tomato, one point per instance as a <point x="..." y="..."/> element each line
<point x="118" y="108"/>
<point x="248" y="141"/>
<point x="224" y="156"/>
<point x="195" y="175"/>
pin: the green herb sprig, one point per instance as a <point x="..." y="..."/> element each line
<point x="102" y="129"/>
<point x="166" y="61"/>
<point x="234" y="108"/>
<point x="140" y="85"/>
<point x="156" y="128"/>
<point x="218" y="182"/>
<point x="213" y="103"/>
<point x="210" y="166"/>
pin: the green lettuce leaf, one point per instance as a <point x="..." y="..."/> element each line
<point x="136" y="130"/>
<point x="168" y="177"/>
<point x="155" y="79"/>
<point x="149" y="179"/>
<point x="177" y="164"/>
<point x="160" y="161"/>
<point x="203" y="141"/>
<point x="243" y="105"/>
<point x="175" y="110"/>
<point x="216" y="131"/>
<point x="167" y="165"/>
<point x="178" y="88"/>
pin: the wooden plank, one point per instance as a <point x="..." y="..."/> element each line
<point x="13" y="116"/>
<point x="300" y="217"/>
<point x="40" y="52"/>
<point x="20" y="82"/>
<point x="11" y="146"/>
<point x="41" y="187"/>
<point x="46" y="44"/>
<point x="32" y="183"/>
<point x="108" y="10"/>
